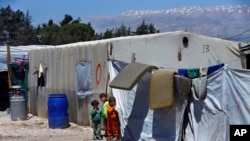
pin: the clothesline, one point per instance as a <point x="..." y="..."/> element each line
<point x="196" y="72"/>
<point x="174" y="69"/>
<point x="199" y="72"/>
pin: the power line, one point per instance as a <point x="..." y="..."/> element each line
<point x="238" y="34"/>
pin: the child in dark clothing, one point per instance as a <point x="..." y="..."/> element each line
<point x="96" y="115"/>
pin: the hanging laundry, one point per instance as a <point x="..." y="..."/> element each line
<point x="199" y="88"/>
<point x="184" y="85"/>
<point x="182" y="72"/>
<point x="84" y="78"/>
<point x="40" y="80"/>
<point x="203" y="71"/>
<point x="193" y="73"/>
<point x="161" y="89"/>
<point x="40" y="70"/>
<point x="214" y="68"/>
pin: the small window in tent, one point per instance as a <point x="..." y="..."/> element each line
<point x="185" y="42"/>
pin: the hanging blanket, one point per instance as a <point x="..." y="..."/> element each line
<point x="161" y="89"/>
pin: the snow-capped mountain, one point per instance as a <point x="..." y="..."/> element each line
<point x="229" y="22"/>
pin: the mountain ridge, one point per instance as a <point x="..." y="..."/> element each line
<point x="217" y="21"/>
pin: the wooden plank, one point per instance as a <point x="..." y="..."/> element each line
<point x="8" y="59"/>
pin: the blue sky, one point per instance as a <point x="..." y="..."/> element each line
<point x="43" y="10"/>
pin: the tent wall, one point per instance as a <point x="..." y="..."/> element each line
<point x="61" y="77"/>
<point x="162" y="50"/>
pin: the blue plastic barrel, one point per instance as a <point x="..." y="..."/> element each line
<point x="58" y="116"/>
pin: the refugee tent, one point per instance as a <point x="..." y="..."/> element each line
<point x="215" y="102"/>
<point x="65" y="63"/>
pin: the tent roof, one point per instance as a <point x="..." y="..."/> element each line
<point x="17" y="53"/>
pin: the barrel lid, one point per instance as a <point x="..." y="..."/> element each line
<point x="57" y="95"/>
<point x="16" y="87"/>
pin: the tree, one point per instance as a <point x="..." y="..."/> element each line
<point x="125" y="31"/>
<point x="122" y="31"/>
<point x="27" y="33"/>
<point x="108" y="34"/>
<point x="49" y="34"/>
<point x="67" y="19"/>
<point x="16" y="28"/>
<point x="76" y="32"/>
<point x="70" y="31"/>
<point x="114" y="32"/>
<point x="146" y="29"/>
<point x="51" y="22"/>
<point x="78" y="20"/>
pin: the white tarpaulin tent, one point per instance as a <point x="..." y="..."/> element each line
<point x="138" y="122"/>
<point x="199" y="116"/>
<point x="173" y="50"/>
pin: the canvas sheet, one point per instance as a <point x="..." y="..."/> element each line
<point x="226" y="102"/>
<point x="138" y="122"/>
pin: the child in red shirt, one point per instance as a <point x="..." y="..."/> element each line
<point x="112" y="120"/>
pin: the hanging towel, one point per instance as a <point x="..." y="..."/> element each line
<point x="199" y="88"/>
<point x="185" y="85"/>
<point x="40" y="70"/>
<point x="193" y="73"/>
<point x="41" y="78"/>
<point x="214" y="68"/>
<point x="182" y="72"/>
<point x="203" y="71"/>
<point x="161" y="93"/>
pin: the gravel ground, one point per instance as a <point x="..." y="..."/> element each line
<point x="36" y="129"/>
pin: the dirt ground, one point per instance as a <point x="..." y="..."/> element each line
<point x="37" y="129"/>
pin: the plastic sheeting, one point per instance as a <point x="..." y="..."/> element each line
<point x="222" y="99"/>
<point x="17" y="53"/>
<point x="226" y="102"/>
<point x="138" y="122"/>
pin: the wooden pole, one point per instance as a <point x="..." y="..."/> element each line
<point x="8" y="60"/>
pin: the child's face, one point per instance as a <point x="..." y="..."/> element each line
<point x="103" y="98"/>
<point x="111" y="103"/>
<point x="95" y="106"/>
